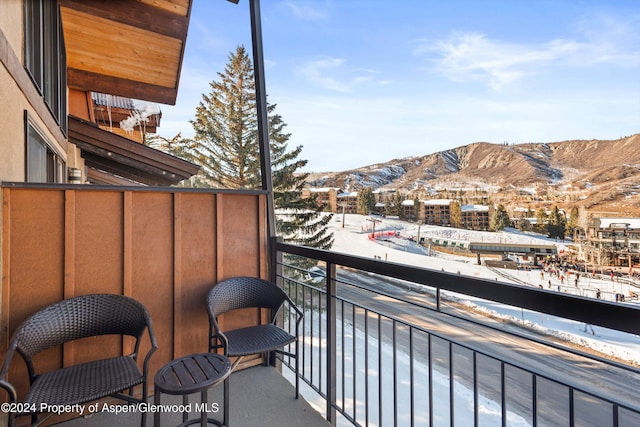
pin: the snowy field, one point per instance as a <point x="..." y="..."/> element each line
<point x="352" y="236"/>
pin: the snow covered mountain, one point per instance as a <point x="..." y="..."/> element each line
<point x="596" y="174"/>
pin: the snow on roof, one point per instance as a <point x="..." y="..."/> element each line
<point x="474" y="208"/>
<point x="112" y="101"/>
<point x="407" y="202"/>
<point x="439" y="202"/>
<point x="321" y="190"/>
<point x="632" y="222"/>
<point x="348" y="194"/>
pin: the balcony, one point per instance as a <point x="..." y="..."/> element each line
<point x="258" y="396"/>
<point x="384" y="344"/>
<point x="392" y="345"/>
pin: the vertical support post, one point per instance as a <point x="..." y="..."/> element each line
<point x="331" y="342"/>
<point x="261" y="107"/>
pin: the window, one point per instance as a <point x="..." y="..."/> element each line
<point x="45" y="56"/>
<point x="43" y="163"/>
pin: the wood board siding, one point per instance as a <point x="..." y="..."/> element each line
<point x="166" y="248"/>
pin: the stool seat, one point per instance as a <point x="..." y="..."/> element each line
<point x="192" y="374"/>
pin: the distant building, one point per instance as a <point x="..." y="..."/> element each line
<point x="612" y="242"/>
<point x="346" y="202"/>
<point x="325" y="197"/>
<point x="384" y="196"/>
<point x="333" y="199"/>
<point x="409" y="210"/>
<point x="476" y="217"/>
<point x="437" y="212"/>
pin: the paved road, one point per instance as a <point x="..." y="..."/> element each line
<point x="580" y="372"/>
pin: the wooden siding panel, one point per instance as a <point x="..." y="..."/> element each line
<point x="195" y="270"/>
<point x="165" y="248"/>
<point x="96" y="265"/>
<point x="36" y="265"/>
<point x="99" y="242"/>
<point x="152" y="265"/>
<point x="240" y="238"/>
<point x="240" y="233"/>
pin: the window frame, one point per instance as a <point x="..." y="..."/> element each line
<point x="54" y="162"/>
<point x="45" y="56"/>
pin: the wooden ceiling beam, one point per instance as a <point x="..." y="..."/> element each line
<point x="130" y="48"/>
<point x="94" y="82"/>
<point x="135" y="14"/>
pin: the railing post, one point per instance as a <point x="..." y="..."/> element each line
<point x="331" y="342"/>
<point x="276" y="273"/>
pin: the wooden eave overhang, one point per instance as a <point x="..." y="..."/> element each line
<point x="130" y="48"/>
<point x="114" y="154"/>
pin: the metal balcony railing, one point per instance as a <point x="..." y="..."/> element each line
<point x="387" y="344"/>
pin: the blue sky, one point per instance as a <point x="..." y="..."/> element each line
<point x="360" y="82"/>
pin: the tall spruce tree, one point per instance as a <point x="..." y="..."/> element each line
<point x="455" y="215"/>
<point x="500" y="219"/>
<point x="557" y="227"/>
<point x="366" y="201"/>
<point x="226" y="146"/>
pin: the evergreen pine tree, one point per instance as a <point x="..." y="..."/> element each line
<point x="226" y="127"/>
<point x="366" y="201"/>
<point x="226" y="146"/>
<point x="574" y="221"/>
<point x="394" y="207"/>
<point x="541" y="220"/>
<point x="500" y="219"/>
<point x="557" y="227"/>
<point x="455" y="215"/>
<point x="417" y="209"/>
<point x="182" y="148"/>
<point x="524" y="224"/>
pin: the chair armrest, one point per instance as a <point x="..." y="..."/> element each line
<point x="6" y="385"/>
<point x="299" y="313"/>
<point x="154" y="347"/>
<point x="215" y="332"/>
<point x="10" y="389"/>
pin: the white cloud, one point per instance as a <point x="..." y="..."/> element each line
<point x="306" y="12"/>
<point x="466" y="57"/>
<point x="326" y="73"/>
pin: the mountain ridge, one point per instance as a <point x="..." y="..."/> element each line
<point x="593" y="174"/>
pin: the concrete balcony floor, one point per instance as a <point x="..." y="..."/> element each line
<point x="259" y="396"/>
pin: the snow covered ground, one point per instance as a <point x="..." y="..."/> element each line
<point x="352" y="233"/>
<point x="352" y="236"/>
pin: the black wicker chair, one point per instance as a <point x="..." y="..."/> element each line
<point x="246" y="292"/>
<point x="68" y="320"/>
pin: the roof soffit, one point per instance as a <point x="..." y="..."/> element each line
<point x="130" y="48"/>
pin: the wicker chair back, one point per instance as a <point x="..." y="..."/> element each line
<point x="242" y="292"/>
<point x="80" y="317"/>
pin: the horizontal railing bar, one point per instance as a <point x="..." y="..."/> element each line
<point x="411" y="326"/>
<point x="621" y="317"/>
<point x="530" y="337"/>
